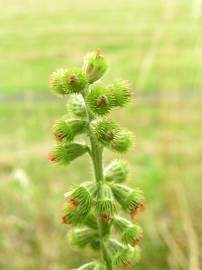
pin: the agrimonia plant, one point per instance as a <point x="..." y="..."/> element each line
<point x="92" y="207"/>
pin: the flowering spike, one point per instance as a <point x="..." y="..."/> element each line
<point x="91" y="207"/>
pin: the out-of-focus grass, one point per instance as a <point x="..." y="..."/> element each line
<point x="158" y="43"/>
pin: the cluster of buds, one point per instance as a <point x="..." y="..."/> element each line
<point x="91" y="209"/>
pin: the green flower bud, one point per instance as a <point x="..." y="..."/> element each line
<point x="83" y="198"/>
<point x="122" y="141"/>
<point x="128" y="198"/>
<point x="130" y="234"/>
<point x="76" y="106"/>
<point x="68" y="129"/>
<point x="105" y="131"/>
<point x="78" y="205"/>
<point x="81" y="237"/>
<point x="74" y="81"/>
<point x="94" y="66"/>
<point x="64" y="152"/>
<point x="55" y="82"/>
<point x="128" y="256"/>
<point x="105" y="204"/>
<point x="121" y="91"/>
<point x="117" y="171"/>
<point x="110" y="135"/>
<point x="100" y="99"/>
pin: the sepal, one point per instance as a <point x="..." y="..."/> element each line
<point x="94" y="66"/>
<point x="116" y="171"/>
<point x="91" y="221"/>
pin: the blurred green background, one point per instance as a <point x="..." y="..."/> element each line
<point x="155" y="44"/>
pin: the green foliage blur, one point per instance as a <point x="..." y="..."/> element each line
<point x="156" y="45"/>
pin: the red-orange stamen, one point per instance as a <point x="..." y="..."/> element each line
<point x="72" y="79"/>
<point x="135" y="243"/>
<point x="125" y="267"/>
<point x="51" y="157"/>
<point x="62" y="221"/>
<point x="71" y="204"/>
<point x="141" y="207"/>
<point x="97" y="53"/>
<point x="105" y="218"/>
<point x="58" y="138"/>
<point x="133" y="214"/>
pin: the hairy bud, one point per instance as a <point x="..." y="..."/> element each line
<point x="105" y="204"/>
<point x="130" y="199"/>
<point x="100" y="99"/>
<point x="121" y="92"/>
<point x="122" y="141"/>
<point x="64" y="152"/>
<point x="116" y="171"/>
<point x="68" y="129"/>
<point x="76" y="106"/>
<point x="55" y="82"/>
<point x="81" y="237"/>
<point x="74" y="81"/>
<point x="94" y="66"/>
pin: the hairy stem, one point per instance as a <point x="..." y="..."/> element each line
<point x="96" y="155"/>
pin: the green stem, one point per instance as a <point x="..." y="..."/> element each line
<point x="96" y="155"/>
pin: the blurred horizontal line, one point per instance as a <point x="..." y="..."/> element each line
<point x="153" y="97"/>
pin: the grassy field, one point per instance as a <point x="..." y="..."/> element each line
<point x="155" y="44"/>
